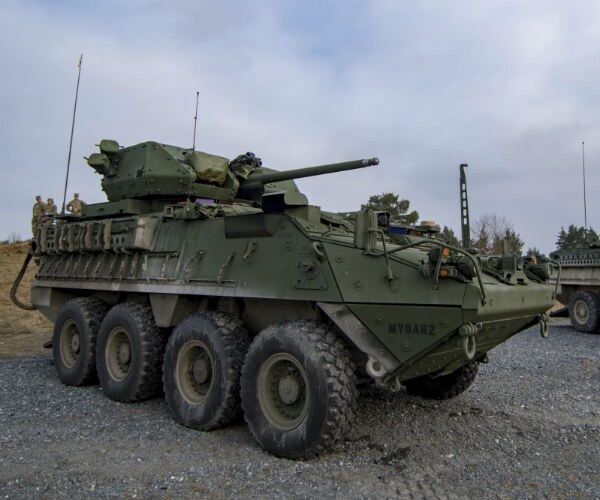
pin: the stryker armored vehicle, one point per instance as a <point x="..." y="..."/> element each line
<point x="216" y="282"/>
<point x="579" y="287"/>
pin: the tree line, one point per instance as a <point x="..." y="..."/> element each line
<point x="488" y="231"/>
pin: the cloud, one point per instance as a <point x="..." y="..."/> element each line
<point x="508" y="87"/>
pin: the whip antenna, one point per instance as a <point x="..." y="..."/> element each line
<point x="585" y="231"/>
<point x="72" y="130"/>
<point x="195" y="122"/>
<point x="464" y="209"/>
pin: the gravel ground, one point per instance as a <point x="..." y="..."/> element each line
<point x="528" y="428"/>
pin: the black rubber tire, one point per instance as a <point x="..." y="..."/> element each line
<point x="137" y="374"/>
<point x="584" y="311"/>
<point x="445" y="386"/>
<point x="201" y="370"/>
<point x="74" y="340"/>
<point x="326" y="394"/>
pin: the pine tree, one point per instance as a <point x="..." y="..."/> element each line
<point x="448" y="236"/>
<point x="398" y="208"/>
<point x="575" y="237"/>
<point x="561" y="239"/>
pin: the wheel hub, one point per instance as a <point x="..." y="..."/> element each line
<point x="69" y="343"/>
<point x="283" y="391"/>
<point x="194" y="372"/>
<point x="200" y="370"/>
<point x="118" y="354"/>
<point x="75" y="343"/>
<point x="581" y="311"/>
<point x="288" y="389"/>
<point x="124" y="353"/>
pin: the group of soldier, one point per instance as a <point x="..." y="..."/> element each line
<point x="40" y="209"/>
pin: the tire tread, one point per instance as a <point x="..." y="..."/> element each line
<point x="235" y="341"/>
<point x="153" y="343"/>
<point x="446" y="386"/>
<point x="340" y="379"/>
<point x="592" y="300"/>
<point x="92" y="311"/>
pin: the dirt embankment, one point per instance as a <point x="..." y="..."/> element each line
<point x="22" y="333"/>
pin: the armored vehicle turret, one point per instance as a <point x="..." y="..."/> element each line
<point x="153" y="171"/>
<point x="217" y="283"/>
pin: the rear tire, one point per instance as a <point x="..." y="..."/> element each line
<point x="584" y="311"/>
<point x="298" y="389"/>
<point x="74" y="340"/>
<point x="201" y="371"/>
<point x="446" y="386"/>
<point x="129" y="353"/>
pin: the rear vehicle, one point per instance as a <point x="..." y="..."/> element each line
<point x="579" y="287"/>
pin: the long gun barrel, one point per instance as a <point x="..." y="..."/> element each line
<point x="256" y="181"/>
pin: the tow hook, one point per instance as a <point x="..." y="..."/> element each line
<point x="544" y="318"/>
<point x="467" y="332"/>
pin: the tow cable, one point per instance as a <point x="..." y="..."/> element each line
<point x="544" y="318"/>
<point x="15" y="286"/>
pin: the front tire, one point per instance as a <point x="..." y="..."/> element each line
<point x="584" y="311"/>
<point x="201" y="370"/>
<point x="298" y="389"/>
<point x="129" y="353"/>
<point x="445" y="386"/>
<point x="74" y="340"/>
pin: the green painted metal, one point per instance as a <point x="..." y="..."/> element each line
<point x="160" y="171"/>
<point x="193" y="231"/>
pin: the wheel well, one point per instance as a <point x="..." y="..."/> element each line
<point x="50" y="300"/>
<point x="257" y="314"/>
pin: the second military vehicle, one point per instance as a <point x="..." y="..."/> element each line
<point x="579" y="287"/>
<point x="217" y="282"/>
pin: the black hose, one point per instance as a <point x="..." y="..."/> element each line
<point x="15" y="286"/>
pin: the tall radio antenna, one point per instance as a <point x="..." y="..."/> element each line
<point x="584" y="201"/>
<point x="72" y="131"/>
<point x="464" y="209"/>
<point x="195" y="122"/>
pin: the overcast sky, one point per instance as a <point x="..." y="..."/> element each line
<point x="509" y="87"/>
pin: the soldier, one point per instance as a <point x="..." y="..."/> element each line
<point x="50" y="207"/>
<point x="38" y="210"/>
<point x="75" y="205"/>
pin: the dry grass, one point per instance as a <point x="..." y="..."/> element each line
<point x="22" y="333"/>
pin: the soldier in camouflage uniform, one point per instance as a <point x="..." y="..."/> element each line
<point x="51" y="208"/>
<point x="38" y="210"/>
<point x="75" y="205"/>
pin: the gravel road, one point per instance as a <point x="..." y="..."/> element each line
<point x="528" y="428"/>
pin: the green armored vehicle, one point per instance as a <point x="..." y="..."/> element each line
<point x="579" y="287"/>
<point x="216" y="282"/>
